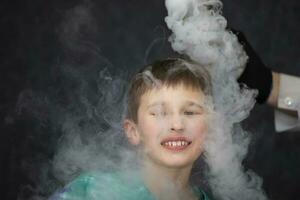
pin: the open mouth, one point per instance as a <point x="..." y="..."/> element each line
<point x="175" y="144"/>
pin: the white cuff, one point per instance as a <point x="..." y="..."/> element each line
<point x="288" y="99"/>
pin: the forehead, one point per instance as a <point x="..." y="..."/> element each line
<point x="172" y="95"/>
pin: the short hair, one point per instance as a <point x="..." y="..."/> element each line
<point x="169" y="72"/>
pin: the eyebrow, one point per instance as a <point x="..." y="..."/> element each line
<point x="187" y="103"/>
<point x="192" y="103"/>
<point x="159" y="103"/>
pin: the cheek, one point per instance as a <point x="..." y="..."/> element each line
<point x="197" y="128"/>
<point x="150" y="128"/>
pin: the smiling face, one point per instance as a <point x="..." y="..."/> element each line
<point x="170" y="127"/>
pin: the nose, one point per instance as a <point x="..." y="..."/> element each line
<point x="176" y="123"/>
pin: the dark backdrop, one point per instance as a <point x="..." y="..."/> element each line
<point x="129" y="34"/>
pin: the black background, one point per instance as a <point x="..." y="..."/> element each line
<point x="31" y="47"/>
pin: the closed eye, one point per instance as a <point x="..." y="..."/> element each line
<point x="161" y="113"/>
<point x="191" y="113"/>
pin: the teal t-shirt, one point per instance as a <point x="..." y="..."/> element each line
<point x="109" y="186"/>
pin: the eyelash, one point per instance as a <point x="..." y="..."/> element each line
<point x="154" y="114"/>
<point x="185" y="113"/>
<point x="191" y="113"/>
<point x="188" y="113"/>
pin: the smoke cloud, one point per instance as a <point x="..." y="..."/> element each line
<point x="199" y="31"/>
<point x="81" y="110"/>
<point x="87" y="108"/>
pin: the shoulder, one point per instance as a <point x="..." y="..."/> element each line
<point x="85" y="185"/>
<point x="104" y="186"/>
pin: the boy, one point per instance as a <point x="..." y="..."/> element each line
<point x="168" y="109"/>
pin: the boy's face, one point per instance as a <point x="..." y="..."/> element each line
<point x="171" y="126"/>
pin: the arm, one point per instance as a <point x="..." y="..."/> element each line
<point x="277" y="90"/>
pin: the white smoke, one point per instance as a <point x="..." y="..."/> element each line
<point x="90" y="125"/>
<point x="199" y="31"/>
<point x="84" y="109"/>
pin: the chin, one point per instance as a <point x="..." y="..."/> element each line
<point x="178" y="163"/>
<point x="174" y="159"/>
<point x="180" y="160"/>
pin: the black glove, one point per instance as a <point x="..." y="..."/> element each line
<point x="256" y="75"/>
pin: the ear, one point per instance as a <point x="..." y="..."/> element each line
<point x="131" y="132"/>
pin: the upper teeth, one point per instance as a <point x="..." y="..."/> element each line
<point x="176" y="143"/>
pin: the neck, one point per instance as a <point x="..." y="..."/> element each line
<point x="167" y="183"/>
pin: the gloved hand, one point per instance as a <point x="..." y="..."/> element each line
<point x="256" y="75"/>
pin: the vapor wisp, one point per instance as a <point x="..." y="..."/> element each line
<point x="199" y="31"/>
